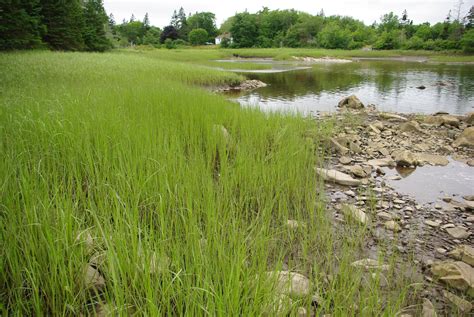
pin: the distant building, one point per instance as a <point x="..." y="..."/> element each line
<point x="225" y="35"/>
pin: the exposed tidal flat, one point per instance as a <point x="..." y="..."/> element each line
<point x="127" y="188"/>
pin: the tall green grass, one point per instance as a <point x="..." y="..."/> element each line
<point x="184" y="217"/>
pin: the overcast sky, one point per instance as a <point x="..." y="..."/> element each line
<point x="160" y="11"/>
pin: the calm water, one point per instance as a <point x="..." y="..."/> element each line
<point x="454" y="179"/>
<point x="390" y="85"/>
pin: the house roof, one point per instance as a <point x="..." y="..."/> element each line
<point x="224" y="35"/>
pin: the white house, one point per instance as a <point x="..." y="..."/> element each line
<point x="225" y="35"/>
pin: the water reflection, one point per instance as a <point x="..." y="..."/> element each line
<point x="428" y="183"/>
<point x="389" y="85"/>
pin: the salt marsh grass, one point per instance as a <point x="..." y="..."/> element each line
<point x="178" y="197"/>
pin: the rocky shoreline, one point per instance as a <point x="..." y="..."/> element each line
<point x="436" y="237"/>
<point x="246" y="85"/>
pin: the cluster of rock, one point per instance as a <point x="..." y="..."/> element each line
<point x="245" y="85"/>
<point x="307" y="59"/>
<point x="359" y="154"/>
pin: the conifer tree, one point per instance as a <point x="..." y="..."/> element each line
<point x="21" y="25"/>
<point x="95" y="20"/>
<point x="64" y="22"/>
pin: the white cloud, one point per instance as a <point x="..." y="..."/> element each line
<point x="367" y="10"/>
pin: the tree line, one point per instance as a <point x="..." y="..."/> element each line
<point x="195" y="29"/>
<point x="84" y="25"/>
<point x="290" y="28"/>
<point x="73" y="25"/>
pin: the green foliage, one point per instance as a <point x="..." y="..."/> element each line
<point x="180" y="23"/>
<point x="95" y="20"/>
<point x="180" y="43"/>
<point x="64" y="21"/>
<point x="170" y="44"/>
<point x="198" y="37"/>
<point x="424" y="32"/>
<point x="169" y="32"/>
<point x="290" y="28"/>
<point x="132" y="32"/>
<point x="467" y="41"/>
<point x="389" y="22"/>
<point x="226" y="25"/>
<point x="152" y="36"/>
<point x="63" y="25"/>
<point x="206" y="21"/>
<point x="20" y="26"/>
<point x="333" y="36"/>
<point x="225" y="42"/>
<point x="244" y="30"/>
<point x="470" y="18"/>
<point x="388" y="40"/>
<point x="414" y="43"/>
<point x="180" y="198"/>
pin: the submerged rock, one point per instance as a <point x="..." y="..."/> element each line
<point x="351" y="102"/>
<point x="337" y="177"/>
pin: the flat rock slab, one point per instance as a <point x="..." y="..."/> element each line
<point x="456" y="274"/>
<point x="382" y="162"/>
<point x="458" y="233"/>
<point x="337" y="177"/>
<point x="463" y="253"/>
<point x="462" y="304"/>
<point x="466" y="138"/>
<point x="435" y="160"/>
<point x="392" y="116"/>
